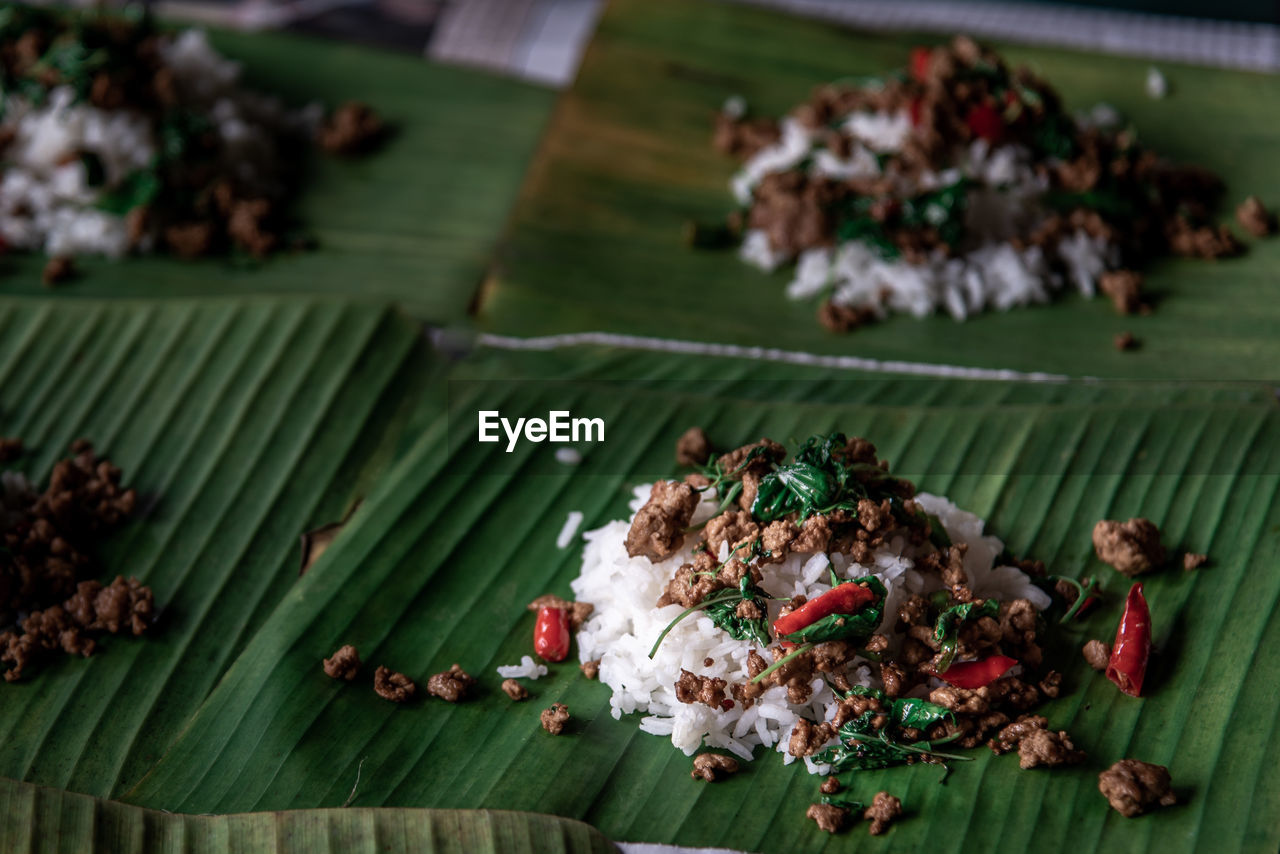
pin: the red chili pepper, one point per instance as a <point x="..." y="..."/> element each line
<point x="985" y="122"/>
<point x="976" y="674"/>
<point x="1128" y="662"/>
<point x="921" y="57"/>
<point x="551" y="634"/>
<point x="842" y="599"/>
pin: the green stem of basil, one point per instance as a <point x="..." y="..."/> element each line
<point x="1082" y="593"/>
<point x="713" y="599"/>
<point x="800" y="650"/>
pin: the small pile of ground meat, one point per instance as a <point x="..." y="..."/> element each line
<point x="452" y="685"/>
<point x="1045" y="747"/>
<point x="590" y="669"/>
<point x="658" y="529"/>
<point x="555" y="718"/>
<point x="1132" y="787"/>
<point x="713" y="766"/>
<point x="1097" y="653"/>
<point x="48" y="539"/>
<point x="1131" y="547"/>
<point x="393" y="686"/>
<point x="693" y="448"/>
<point x="1192" y="560"/>
<point x="353" y="128"/>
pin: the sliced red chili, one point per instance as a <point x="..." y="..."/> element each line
<point x="914" y="108"/>
<point x="1128" y="664"/>
<point x="921" y="57"/>
<point x="551" y="634"/>
<point x="841" y="599"/>
<point x="977" y="674"/>
<point x="985" y="122"/>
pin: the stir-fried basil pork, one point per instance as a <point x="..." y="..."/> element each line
<point x="836" y="496"/>
<point x="886" y="165"/>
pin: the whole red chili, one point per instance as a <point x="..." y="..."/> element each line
<point x="920" y="59"/>
<point x="985" y="122"/>
<point x="841" y="599"/>
<point x="551" y="634"/>
<point x="977" y="674"/>
<point x="1128" y="664"/>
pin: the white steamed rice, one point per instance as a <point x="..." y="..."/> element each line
<point x="625" y="623"/>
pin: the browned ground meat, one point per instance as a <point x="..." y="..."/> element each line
<point x="452" y="685"/>
<point x="883" y="810"/>
<point x="1124" y="341"/>
<point x="1010" y="736"/>
<point x="658" y="529"/>
<point x="843" y="318"/>
<point x="189" y="239"/>
<point x="807" y="738"/>
<point x="343" y="664"/>
<point x="58" y="269"/>
<point x="1255" y="218"/>
<point x="590" y="669"/>
<point x="1124" y="287"/>
<point x="353" y="128"/>
<point x="1045" y="747"/>
<point x="1097" y="653"/>
<point x="828" y="817"/>
<point x="43" y="563"/>
<point x="393" y="686"/>
<point x="733" y="462"/>
<point x="1133" y="787"/>
<point x="830" y="786"/>
<point x="709" y="690"/>
<point x="515" y="690"/>
<point x="1132" y="547"/>
<point x="712" y="766"/>
<point x="555" y="718"/>
<point x="578" y="611"/>
<point x="693" y="448"/>
<point x="1192" y="560"/>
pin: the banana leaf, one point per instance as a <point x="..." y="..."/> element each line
<point x="413" y="222"/>
<point x="241" y="424"/>
<point x="437" y="564"/>
<point x="33" y="818"/>
<point x="594" y="243"/>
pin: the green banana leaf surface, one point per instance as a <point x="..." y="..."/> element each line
<point x="595" y="241"/>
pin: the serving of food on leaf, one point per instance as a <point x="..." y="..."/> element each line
<point x="962" y="185"/>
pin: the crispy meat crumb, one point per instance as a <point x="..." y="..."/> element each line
<point x="393" y="686"/>
<point x="693" y="448"/>
<point x="713" y="766"/>
<point x="555" y="718"/>
<point x="452" y="685"/>
<point x="60" y="268"/>
<point x="1132" y="547"/>
<point x="353" y="128"/>
<point x="343" y="664"/>
<point x="1011" y="735"/>
<point x="1097" y="653"/>
<point x="1125" y="341"/>
<point x="828" y="817"/>
<point x="882" y="812"/>
<point x="1045" y="747"/>
<point x="1192" y="560"/>
<point x="658" y="529"/>
<point x="830" y="786"/>
<point x="514" y="690"/>
<point x="1255" y="218"/>
<point x="1124" y="287"/>
<point x="590" y="669"/>
<point x="1133" y="787"/>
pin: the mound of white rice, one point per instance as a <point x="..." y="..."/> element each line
<point x="625" y="624"/>
<point x="1004" y="200"/>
